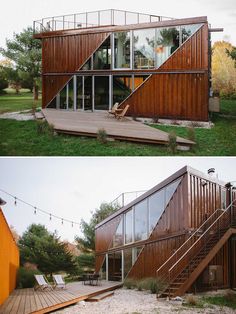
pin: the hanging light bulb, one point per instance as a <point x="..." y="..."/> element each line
<point x="15" y="201"/>
<point x="35" y="210"/>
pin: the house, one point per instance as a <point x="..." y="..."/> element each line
<point x="9" y="258"/>
<point x="182" y="231"/>
<point x="159" y="66"/>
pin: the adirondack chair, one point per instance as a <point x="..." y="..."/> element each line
<point x="41" y="283"/>
<point x="59" y="282"/>
<point x="120" y="115"/>
<point x="114" y="109"/>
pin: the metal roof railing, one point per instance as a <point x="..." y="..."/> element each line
<point x="94" y="19"/>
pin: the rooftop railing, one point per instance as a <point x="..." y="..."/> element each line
<point x="94" y="19"/>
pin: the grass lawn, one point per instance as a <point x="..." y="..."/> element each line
<point x="228" y="300"/>
<point x="22" y="138"/>
<point x="13" y="102"/>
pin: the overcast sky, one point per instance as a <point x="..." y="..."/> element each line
<point x="72" y="187"/>
<point x="16" y="15"/>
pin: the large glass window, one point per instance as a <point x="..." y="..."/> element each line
<point x="127" y="261"/>
<point x="138" y="80"/>
<point x="170" y="189"/>
<point x="167" y="41"/>
<point x="144" y="49"/>
<point x="118" y="236"/>
<point x="115" y="266"/>
<point x="129" y="227"/>
<point x="188" y="30"/>
<point x="140" y="221"/>
<point x="103" y="269"/>
<point x="136" y="251"/>
<point x="122" y="88"/>
<point x="79" y="102"/>
<point x="63" y="97"/>
<point x="102" y="57"/>
<point x="101" y="99"/>
<point x="122" y="50"/>
<point x="88" y="93"/>
<point x="156" y="208"/>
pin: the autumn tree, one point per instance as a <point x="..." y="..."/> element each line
<point x="232" y="53"/>
<point x="25" y="52"/>
<point x="223" y="70"/>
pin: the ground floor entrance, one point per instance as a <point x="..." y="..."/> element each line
<point x="95" y="92"/>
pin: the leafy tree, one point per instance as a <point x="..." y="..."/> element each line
<point x="87" y="242"/>
<point x="3" y="81"/>
<point x="25" y="51"/>
<point x="232" y="53"/>
<point x="39" y="246"/>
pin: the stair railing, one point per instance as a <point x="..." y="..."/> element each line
<point x="215" y="231"/>
<point x="162" y="272"/>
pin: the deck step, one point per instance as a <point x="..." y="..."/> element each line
<point x="100" y="297"/>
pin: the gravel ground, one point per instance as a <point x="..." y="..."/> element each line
<point x="24" y="115"/>
<point x="136" y="302"/>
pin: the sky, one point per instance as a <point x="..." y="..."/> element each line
<point x="73" y="187"/>
<point x="16" y="15"/>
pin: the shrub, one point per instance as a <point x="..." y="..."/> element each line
<point x="191" y="300"/>
<point x="44" y="128"/>
<point x="102" y="136"/>
<point x="25" y="277"/>
<point x="172" y="142"/>
<point x="155" y="119"/>
<point x="191" y="133"/>
<point x="130" y="283"/>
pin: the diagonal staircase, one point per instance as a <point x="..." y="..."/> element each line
<point x="187" y="263"/>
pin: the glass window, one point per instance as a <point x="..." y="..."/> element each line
<point x="103" y="269"/>
<point x="88" y="93"/>
<point x="223" y="198"/>
<point x="122" y="88"/>
<point x="167" y="41"/>
<point x="63" y="102"/>
<point x="144" y="47"/>
<point x="140" y="221"/>
<point x="170" y="189"/>
<point x="101" y="99"/>
<point x="129" y="227"/>
<point x="136" y="252"/>
<point x="122" y="50"/>
<point x="52" y="104"/>
<point x="118" y="236"/>
<point x="127" y="261"/>
<point x="102" y="57"/>
<point x="156" y="208"/>
<point x="138" y="80"/>
<point x="188" y="30"/>
<point x="71" y="94"/>
<point x="114" y="266"/>
<point x="87" y="65"/>
<point x="79" y="102"/>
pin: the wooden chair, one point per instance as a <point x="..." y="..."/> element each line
<point x="59" y="282"/>
<point x="120" y="115"/>
<point x="114" y="109"/>
<point x="41" y="283"/>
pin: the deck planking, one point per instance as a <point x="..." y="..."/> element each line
<point x="88" y="124"/>
<point x="29" y="301"/>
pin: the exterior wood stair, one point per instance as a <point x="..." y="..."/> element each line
<point x="182" y="269"/>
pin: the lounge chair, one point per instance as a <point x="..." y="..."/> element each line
<point x="42" y="283"/>
<point x="114" y="109"/>
<point x="59" y="282"/>
<point x="120" y="115"/>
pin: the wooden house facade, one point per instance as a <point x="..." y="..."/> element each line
<point x="182" y="231"/>
<point x="159" y="66"/>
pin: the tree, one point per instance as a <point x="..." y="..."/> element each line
<point x="232" y="53"/>
<point x="223" y="70"/>
<point x="39" y="246"/>
<point x="87" y="242"/>
<point x="3" y="81"/>
<point x="25" y="51"/>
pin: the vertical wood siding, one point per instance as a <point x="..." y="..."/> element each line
<point x="9" y="260"/>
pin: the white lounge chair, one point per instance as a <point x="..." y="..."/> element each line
<point x="41" y="283"/>
<point x="59" y="282"/>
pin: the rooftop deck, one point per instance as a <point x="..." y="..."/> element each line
<point x="25" y="301"/>
<point x="88" y="124"/>
<point x="94" y="19"/>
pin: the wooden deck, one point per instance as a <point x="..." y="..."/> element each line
<point x="88" y="124"/>
<point x="25" y="301"/>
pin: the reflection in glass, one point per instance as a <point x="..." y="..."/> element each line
<point x="71" y="95"/>
<point x="88" y="93"/>
<point x="52" y="104"/>
<point x="144" y="49"/>
<point x="118" y="236"/>
<point x="115" y="266"/>
<point x="170" y="189"/>
<point x="138" y="80"/>
<point x="63" y="103"/>
<point x="103" y="269"/>
<point x="102" y="57"/>
<point x="156" y="208"/>
<point x="136" y="252"/>
<point x="101" y="99"/>
<point x="127" y="261"/>
<point x="188" y="30"/>
<point x="122" y="88"/>
<point x="122" y="50"/>
<point x="140" y="221"/>
<point x="79" y="102"/>
<point x="167" y="41"/>
<point x="87" y="65"/>
<point x="129" y="227"/>
<point x="223" y="198"/>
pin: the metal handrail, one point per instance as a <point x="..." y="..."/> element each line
<point x="173" y="256"/>
<point x="201" y="237"/>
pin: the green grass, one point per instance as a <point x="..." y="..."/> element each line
<point x="228" y="300"/>
<point x="16" y="102"/>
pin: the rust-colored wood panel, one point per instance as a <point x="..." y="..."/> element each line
<point x="104" y="235"/>
<point x="67" y="54"/>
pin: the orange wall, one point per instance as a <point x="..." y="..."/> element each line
<point x="9" y="260"/>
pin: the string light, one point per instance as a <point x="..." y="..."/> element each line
<point x="42" y="211"/>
